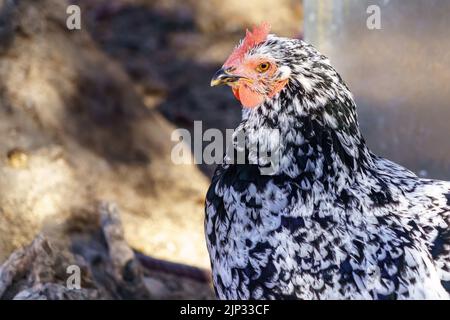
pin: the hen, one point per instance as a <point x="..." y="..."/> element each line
<point x="331" y="220"/>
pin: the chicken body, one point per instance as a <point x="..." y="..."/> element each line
<point x="333" y="221"/>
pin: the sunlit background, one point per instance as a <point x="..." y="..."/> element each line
<point x="400" y="74"/>
<point x="87" y="116"/>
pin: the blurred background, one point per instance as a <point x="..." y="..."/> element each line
<point x="86" y="118"/>
<point x="400" y="74"/>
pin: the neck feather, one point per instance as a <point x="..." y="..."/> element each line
<point x="318" y="139"/>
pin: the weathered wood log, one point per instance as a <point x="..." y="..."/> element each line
<point x="25" y="273"/>
<point x="126" y="269"/>
<point x="173" y="268"/>
<point x="109" y="268"/>
<point x="54" y="291"/>
<point x="120" y="253"/>
<point x="19" y="263"/>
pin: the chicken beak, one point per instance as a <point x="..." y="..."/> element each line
<point x="222" y="76"/>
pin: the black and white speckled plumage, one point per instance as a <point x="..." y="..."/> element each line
<point x="335" y="221"/>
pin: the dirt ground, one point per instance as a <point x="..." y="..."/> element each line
<point x="87" y="116"/>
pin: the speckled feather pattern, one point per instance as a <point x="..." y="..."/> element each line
<point x="335" y="221"/>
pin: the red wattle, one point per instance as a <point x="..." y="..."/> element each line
<point x="236" y="93"/>
<point x="248" y="97"/>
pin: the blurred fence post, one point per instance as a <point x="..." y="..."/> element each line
<point x="400" y="74"/>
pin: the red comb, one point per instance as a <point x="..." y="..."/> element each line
<point x="258" y="35"/>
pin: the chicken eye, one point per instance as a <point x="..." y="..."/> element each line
<point x="263" y="67"/>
